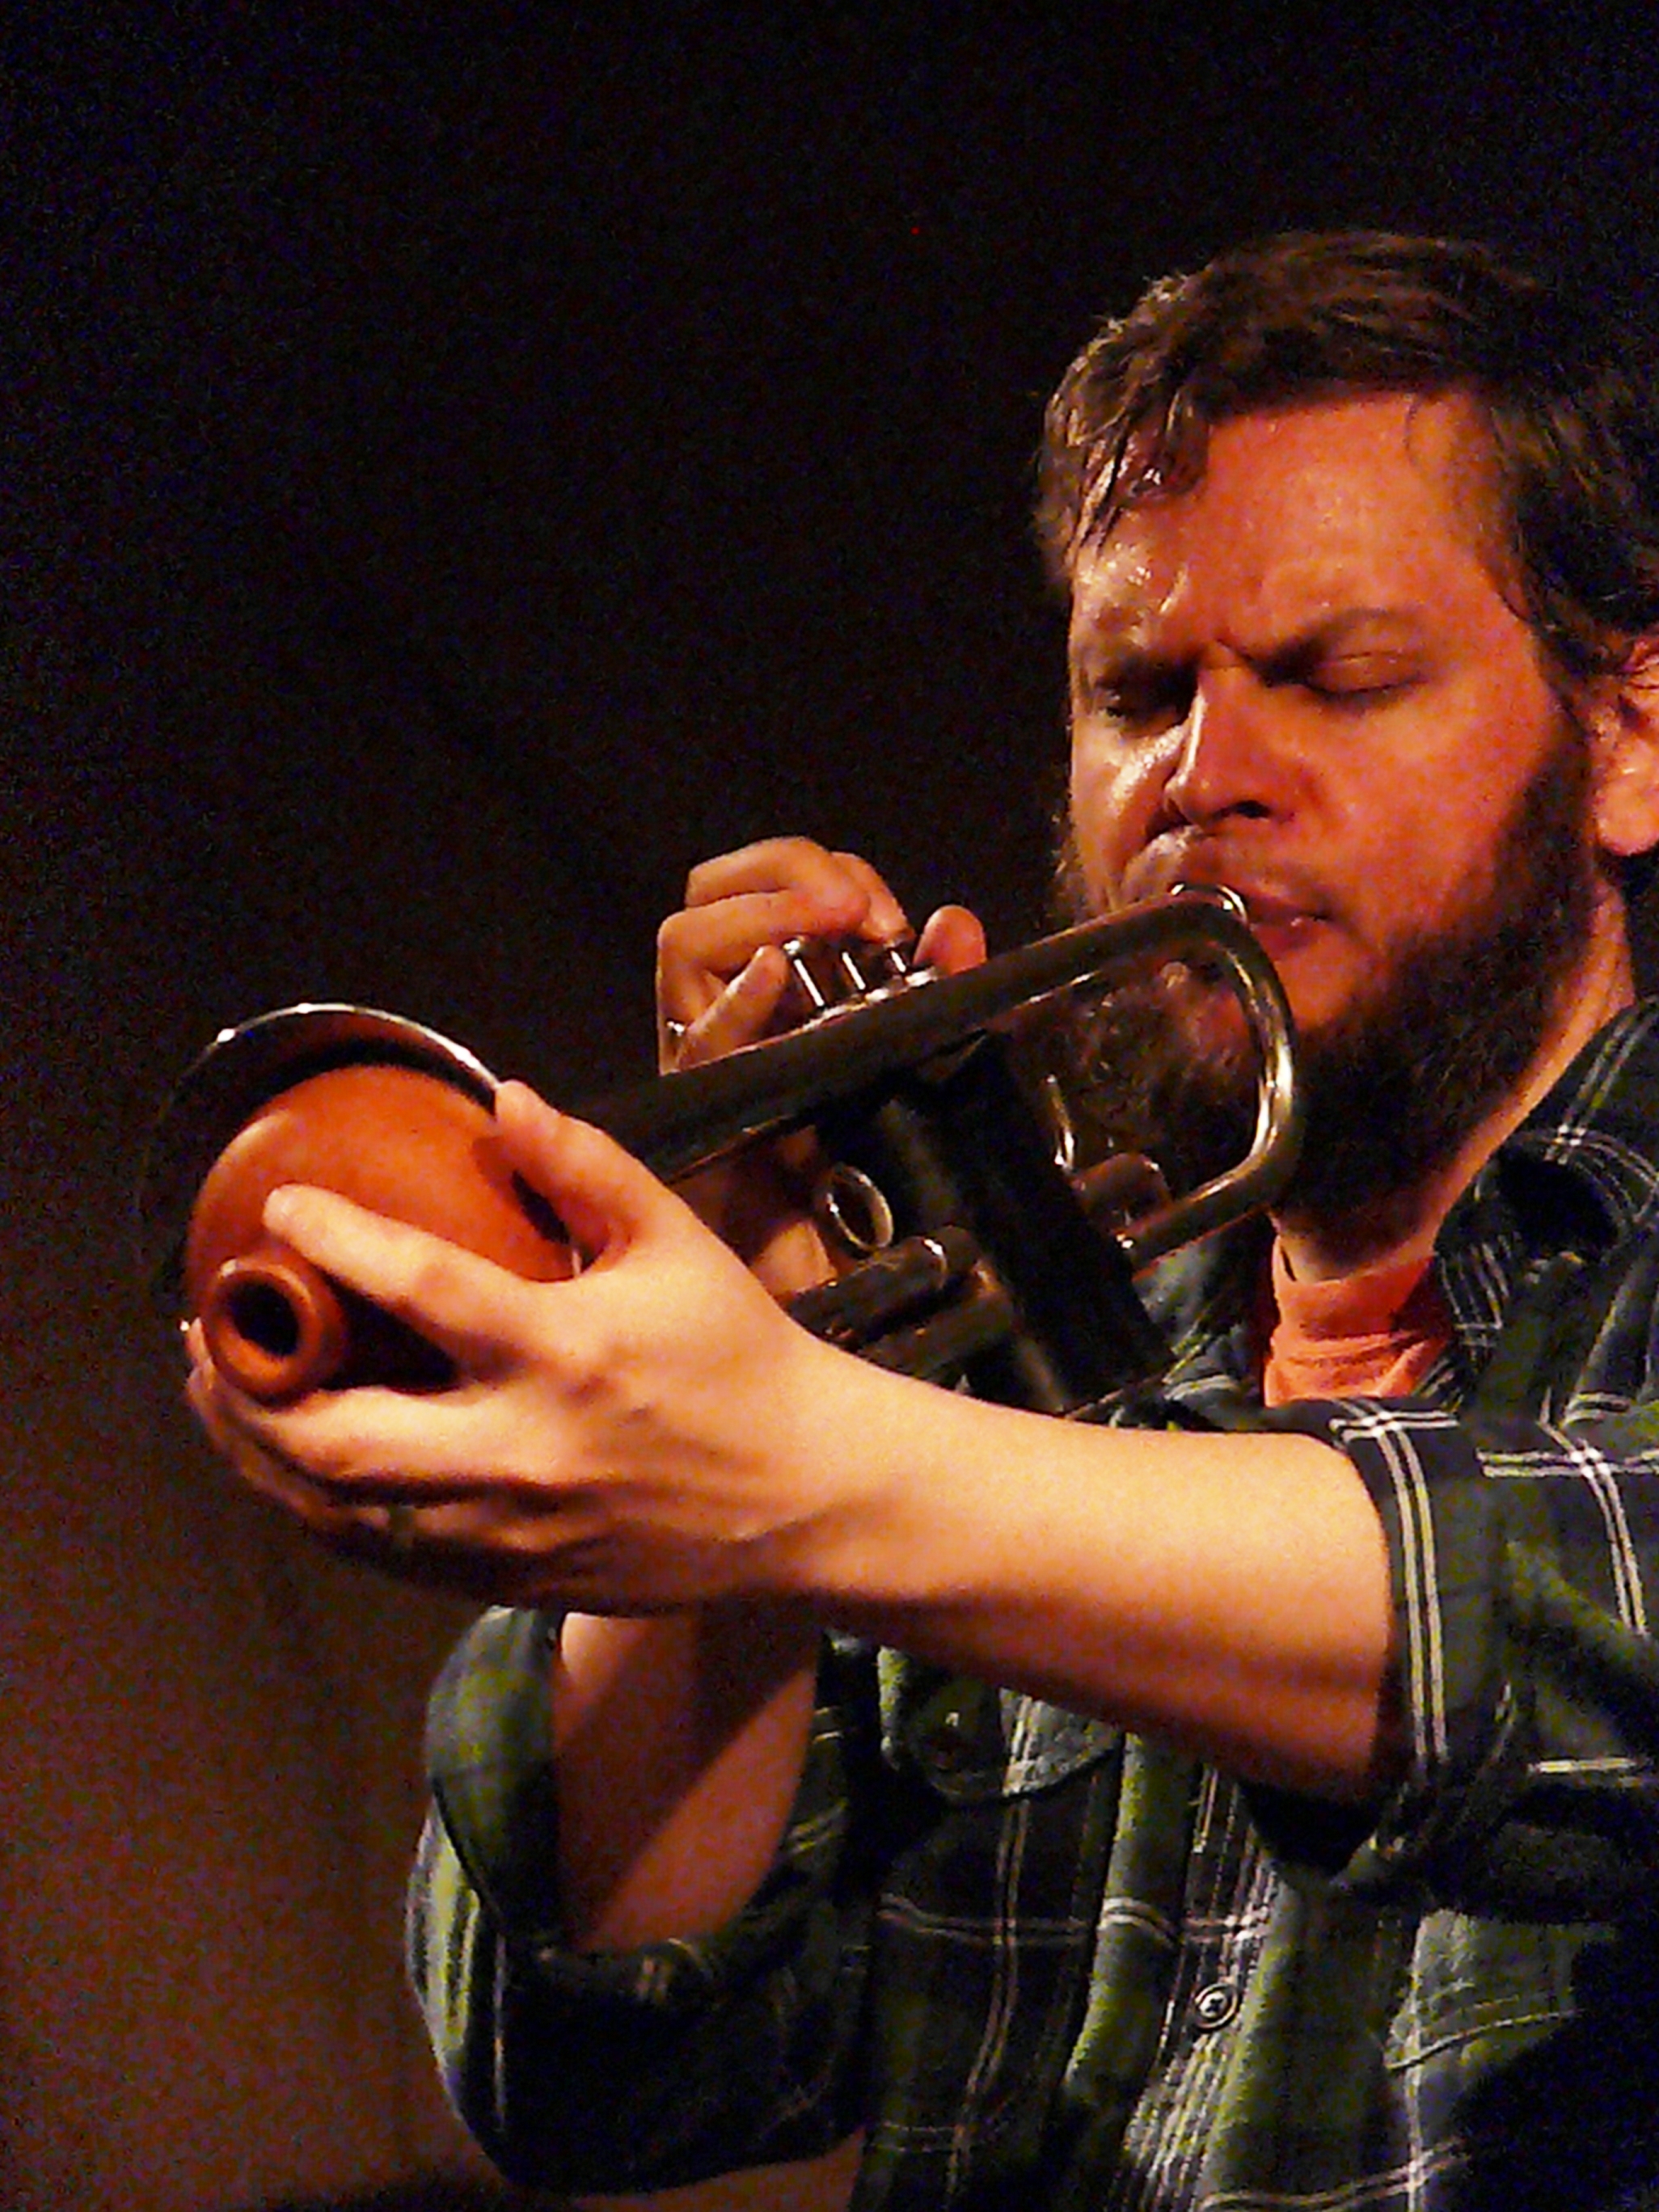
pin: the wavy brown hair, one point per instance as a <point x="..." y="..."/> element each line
<point x="1568" y="401"/>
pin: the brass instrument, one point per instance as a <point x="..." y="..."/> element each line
<point x="977" y="1257"/>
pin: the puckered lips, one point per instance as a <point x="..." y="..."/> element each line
<point x="1284" y="908"/>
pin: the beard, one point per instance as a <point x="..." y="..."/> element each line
<point x="1393" y="1086"/>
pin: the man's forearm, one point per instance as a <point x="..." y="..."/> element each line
<point x="1229" y="1592"/>
<point x="678" y="1743"/>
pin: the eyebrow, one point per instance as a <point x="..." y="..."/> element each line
<point x="1123" y="642"/>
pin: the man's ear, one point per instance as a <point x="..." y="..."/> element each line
<point x="1624" y="721"/>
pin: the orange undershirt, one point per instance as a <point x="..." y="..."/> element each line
<point x="1372" y="1336"/>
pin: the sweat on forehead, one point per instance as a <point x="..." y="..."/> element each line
<point x="1305" y="513"/>
<point x="1445" y="436"/>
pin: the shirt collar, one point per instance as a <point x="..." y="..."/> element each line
<point x="1600" y="1126"/>
<point x="1582" y="1170"/>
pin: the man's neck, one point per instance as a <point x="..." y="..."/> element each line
<point x="1402" y="1225"/>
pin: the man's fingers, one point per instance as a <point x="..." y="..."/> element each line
<point x="741" y="1014"/>
<point x="602" y="1193"/>
<point x="701" y="949"/>
<point x="421" y="1522"/>
<point x="460" y="1301"/>
<point x="839" y="885"/>
<point x="244" y="1433"/>
<point x="884" y="919"/>
<point x="760" y="897"/>
<point x="953" y="939"/>
<point x="316" y="1456"/>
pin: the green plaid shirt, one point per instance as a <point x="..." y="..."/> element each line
<point x="1044" y="1966"/>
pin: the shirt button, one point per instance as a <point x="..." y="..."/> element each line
<point x="949" y="1739"/>
<point x="1215" y="2005"/>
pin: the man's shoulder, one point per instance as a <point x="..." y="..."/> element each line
<point x="1599" y="1126"/>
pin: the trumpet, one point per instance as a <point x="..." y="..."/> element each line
<point x="970" y="1252"/>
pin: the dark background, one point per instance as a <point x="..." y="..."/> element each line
<point x="459" y="468"/>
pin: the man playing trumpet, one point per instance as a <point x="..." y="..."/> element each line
<point x="1264" y="1809"/>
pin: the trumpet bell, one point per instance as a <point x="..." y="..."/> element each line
<point x="402" y="1142"/>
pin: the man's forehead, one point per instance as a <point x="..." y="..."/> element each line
<point x="1339" y="496"/>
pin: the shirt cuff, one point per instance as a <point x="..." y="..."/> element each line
<point x="489" y="1760"/>
<point x="1463" y="1758"/>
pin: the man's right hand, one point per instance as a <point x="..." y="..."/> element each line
<point x="722" y="981"/>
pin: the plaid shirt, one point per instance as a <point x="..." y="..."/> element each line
<point x="1045" y="1965"/>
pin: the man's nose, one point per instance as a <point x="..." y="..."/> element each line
<point x="1227" y="761"/>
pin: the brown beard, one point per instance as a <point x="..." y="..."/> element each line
<point x="1394" y="1088"/>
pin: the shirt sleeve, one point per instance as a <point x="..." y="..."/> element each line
<point x="1523" y="1558"/>
<point x="621" y="2071"/>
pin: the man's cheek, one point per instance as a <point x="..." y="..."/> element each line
<point x="1098" y="846"/>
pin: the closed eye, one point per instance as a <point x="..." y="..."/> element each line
<point x="1142" y="699"/>
<point x="1360" y="679"/>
